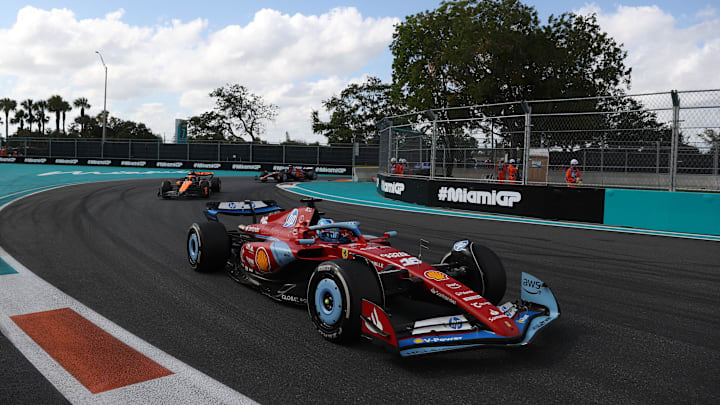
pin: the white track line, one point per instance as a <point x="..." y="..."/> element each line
<point x="25" y="293"/>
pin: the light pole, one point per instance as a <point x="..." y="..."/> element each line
<point x="102" y="145"/>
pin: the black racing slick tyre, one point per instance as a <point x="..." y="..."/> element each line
<point x="334" y="298"/>
<point x="208" y="246"/>
<point x="215" y="184"/>
<point x="484" y="272"/>
<point x="205" y="189"/>
<point x="282" y="177"/>
<point x="165" y="186"/>
<point x="311" y="175"/>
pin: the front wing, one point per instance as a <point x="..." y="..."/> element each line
<point x="536" y="309"/>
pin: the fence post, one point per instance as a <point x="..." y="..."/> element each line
<point x="218" y="144"/>
<point x="675" y="136"/>
<point x="76" y="148"/>
<point x="158" y="149"/>
<point x="317" y="155"/>
<point x="187" y="148"/>
<point x="526" y="147"/>
<point x="716" y="158"/>
<point x="129" y="148"/>
<point x="50" y="147"/>
<point x="251" y="150"/>
<point x="657" y="157"/>
<point x="283" y="154"/>
<point x="25" y="146"/>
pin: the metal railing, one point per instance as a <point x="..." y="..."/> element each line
<point x="667" y="140"/>
<point x="205" y="151"/>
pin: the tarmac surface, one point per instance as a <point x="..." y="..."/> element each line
<point x="637" y="323"/>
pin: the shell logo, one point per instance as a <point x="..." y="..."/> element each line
<point x="436" y="275"/>
<point x="262" y="259"/>
<point x="418" y="340"/>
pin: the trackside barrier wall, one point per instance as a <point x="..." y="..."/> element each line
<point x="697" y="213"/>
<point x="570" y="204"/>
<point x="176" y="164"/>
<point x="663" y="210"/>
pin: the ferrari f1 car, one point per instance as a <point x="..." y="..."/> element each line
<point x="357" y="285"/>
<point x="194" y="184"/>
<point x="289" y="174"/>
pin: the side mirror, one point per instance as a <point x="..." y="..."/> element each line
<point x="390" y="234"/>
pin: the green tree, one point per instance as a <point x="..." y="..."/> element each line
<point x="82" y="104"/>
<point x="244" y="113"/>
<point x="208" y="126"/>
<point x="483" y="52"/>
<point x="29" y="117"/>
<point x="55" y="104"/>
<point x="354" y="112"/>
<point x="7" y="105"/>
<point x="65" y="108"/>
<point x="42" y="119"/>
<point x="19" y="120"/>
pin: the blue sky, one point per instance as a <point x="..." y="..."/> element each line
<point x="156" y="77"/>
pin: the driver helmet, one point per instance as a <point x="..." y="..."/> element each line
<point x="573" y="162"/>
<point x="512" y="161"/>
<point x="328" y="234"/>
<point x="393" y="160"/>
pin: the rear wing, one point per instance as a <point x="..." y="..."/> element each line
<point x="236" y="208"/>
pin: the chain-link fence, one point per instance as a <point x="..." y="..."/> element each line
<point x="657" y="141"/>
<point x="194" y="151"/>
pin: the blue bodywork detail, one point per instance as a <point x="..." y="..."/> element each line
<point x="212" y="214"/>
<point x="291" y="219"/>
<point x="324" y="288"/>
<point x="281" y="252"/>
<point x="532" y="290"/>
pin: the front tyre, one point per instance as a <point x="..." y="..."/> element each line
<point x="484" y="272"/>
<point x="207" y="246"/>
<point x="205" y="189"/>
<point x="334" y="298"/>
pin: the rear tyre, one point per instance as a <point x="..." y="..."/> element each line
<point x="334" y="298"/>
<point x="165" y="186"/>
<point x="311" y="175"/>
<point x="215" y="184"/>
<point x="282" y="177"/>
<point x="208" y="246"/>
<point x="205" y="188"/>
<point x="485" y="272"/>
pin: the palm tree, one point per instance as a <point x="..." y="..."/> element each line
<point x="82" y="104"/>
<point x="40" y="108"/>
<point x="28" y="106"/>
<point x="65" y="108"/>
<point x="7" y="105"/>
<point x="20" y="119"/>
<point x="55" y="104"/>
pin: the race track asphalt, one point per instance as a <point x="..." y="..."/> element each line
<point x="639" y="319"/>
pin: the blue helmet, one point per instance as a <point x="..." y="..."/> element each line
<point x="328" y="234"/>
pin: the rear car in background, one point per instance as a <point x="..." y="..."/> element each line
<point x="289" y="174"/>
<point x="194" y="184"/>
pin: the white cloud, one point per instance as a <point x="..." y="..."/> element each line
<point x="157" y="73"/>
<point x="662" y="55"/>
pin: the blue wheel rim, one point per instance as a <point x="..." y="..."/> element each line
<point x="193" y="247"/>
<point x="328" y="301"/>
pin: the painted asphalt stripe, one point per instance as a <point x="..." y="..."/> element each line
<point x="298" y="189"/>
<point x="94" y="357"/>
<point x="6" y="268"/>
<point x="25" y="293"/>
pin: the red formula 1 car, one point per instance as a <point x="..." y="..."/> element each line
<point x="194" y="184"/>
<point x="359" y="285"/>
<point x="289" y="174"/>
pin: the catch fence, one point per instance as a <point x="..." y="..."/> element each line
<point x="667" y="140"/>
